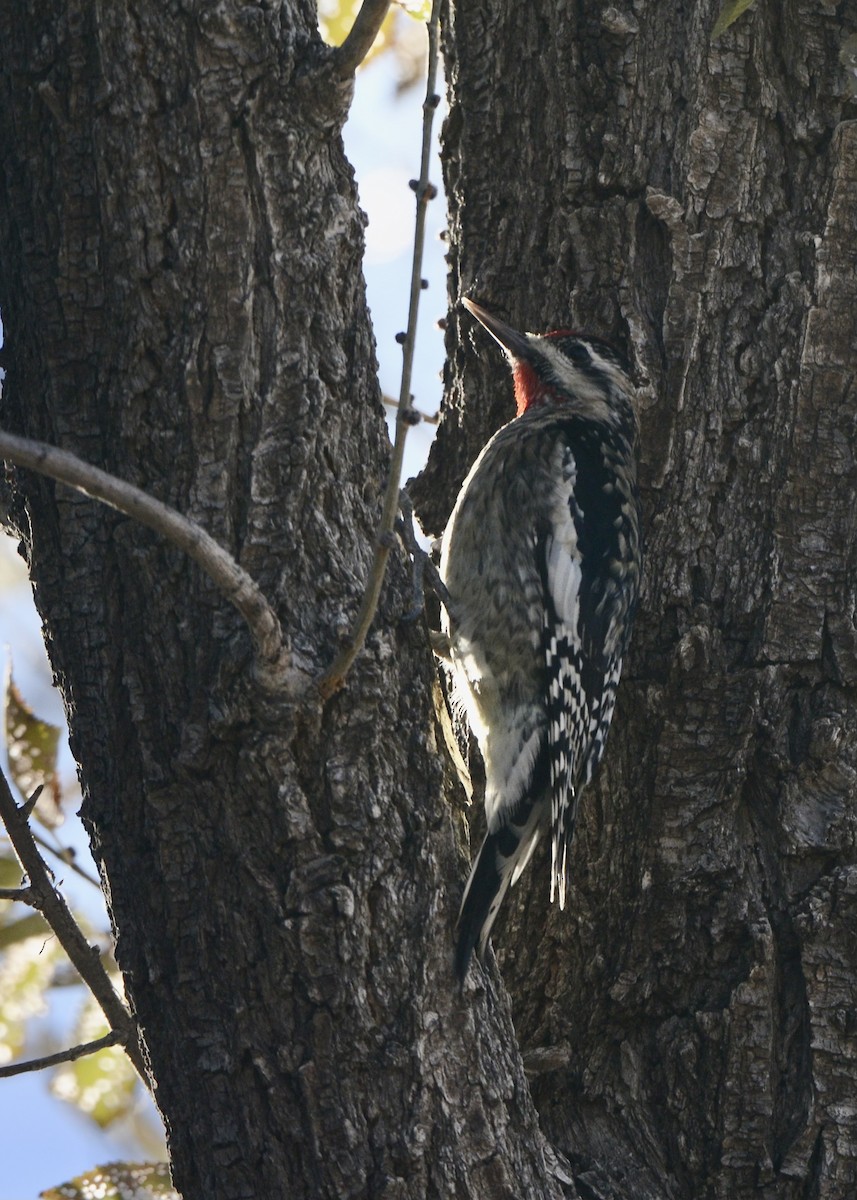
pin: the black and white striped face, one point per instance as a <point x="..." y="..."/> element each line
<point x="582" y="366"/>
<point x="563" y="367"/>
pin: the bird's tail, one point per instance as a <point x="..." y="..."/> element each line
<point x="502" y="858"/>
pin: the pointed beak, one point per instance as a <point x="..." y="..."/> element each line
<point x="516" y="345"/>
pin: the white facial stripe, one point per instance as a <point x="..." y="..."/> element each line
<point x="610" y="369"/>
<point x="580" y="384"/>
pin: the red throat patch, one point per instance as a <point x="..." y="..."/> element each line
<point x="529" y="389"/>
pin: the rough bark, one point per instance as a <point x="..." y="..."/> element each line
<point x="182" y="298"/>
<point x="183" y="304"/>
<point x="689" y="1021"/>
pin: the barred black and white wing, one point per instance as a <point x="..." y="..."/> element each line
<point x="580" y="552"/>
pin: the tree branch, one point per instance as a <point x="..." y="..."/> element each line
<point x="21" y="894"/>
<point x="424" y="569"/>
<point x="334" y="677"/>
<point x="361" y="37"/>
<point x="47" y="900"/>
<point x="62" y="1056"/>
<point x="231" y="579"/>
<point x="426" y="418"/>
<point x="67" y="857"/>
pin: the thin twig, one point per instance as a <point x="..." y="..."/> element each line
<point x="48" y="901"/>
<point x="65" y="976"/>
<point x="334" y="677"/>
<point x="424" y="569"/>
<point x="426" y="418"/>
<point x="66" y="856"/>
<point x="231" y="579"/>
<point x="62" y="1056"/>
<point x="361" y="37"/>
<point x="23" y="895"/>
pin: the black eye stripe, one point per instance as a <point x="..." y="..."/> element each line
<point x="581" y="348"/>
<point x="577" y="352"/>
<point x="573" y="348"/>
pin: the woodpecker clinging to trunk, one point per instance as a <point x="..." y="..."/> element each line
<point x="541" y="557"/>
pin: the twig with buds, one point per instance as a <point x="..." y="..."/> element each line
<point x="334" y="677"/>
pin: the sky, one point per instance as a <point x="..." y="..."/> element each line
<point x="44" y="1141"/>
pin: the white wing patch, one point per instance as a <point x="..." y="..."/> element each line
<point x="564" y="574"/>
<point x="570" y="724"/>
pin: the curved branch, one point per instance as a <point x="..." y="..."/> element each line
<point x="49" y="902"/>
<point x="367" y="24"/>
<point x="231" y="579"/>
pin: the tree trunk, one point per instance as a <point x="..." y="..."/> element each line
<point x="689" y="1023"/>
<point x="184" y="306"/>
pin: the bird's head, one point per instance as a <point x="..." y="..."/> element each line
<point x="563" y="367"/>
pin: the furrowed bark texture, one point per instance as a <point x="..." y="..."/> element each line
<point x="689" y="1020"/>
<point x="183" y="306"/>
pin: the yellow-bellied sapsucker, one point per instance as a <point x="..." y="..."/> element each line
<point x="541" y="558"/>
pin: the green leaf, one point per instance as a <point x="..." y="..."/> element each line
<point x="101" y="1085"/>
<point x="729" y="13"/>
<point x="336" y="17"/>
<point x="420" y="10"/>
<point x="118" y="1181"/>
<point x="31" y="746"/>
<point x="26" y="970"/>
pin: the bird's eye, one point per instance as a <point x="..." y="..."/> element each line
<point x="578" y="353"/>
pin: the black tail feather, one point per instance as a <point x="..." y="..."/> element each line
<point x="483" y="896"/>
<point x="502" y="857"/>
